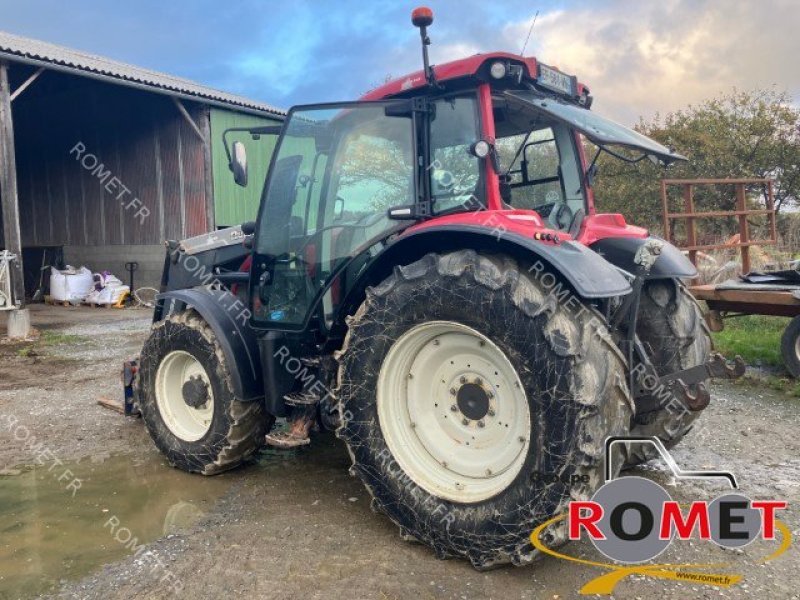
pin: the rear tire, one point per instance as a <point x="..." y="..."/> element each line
<point x="214" y="437"/>
<point x="671" y="326"/>
<point x="483" y="319"/>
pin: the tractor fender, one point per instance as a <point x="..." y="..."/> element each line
<point x="229" y="319"/>
<point x="585" y="271"/>
<point x="620" y="251"/>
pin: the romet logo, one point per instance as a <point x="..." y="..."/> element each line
<point x="632" y="520"/>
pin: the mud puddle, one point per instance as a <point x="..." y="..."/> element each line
<point x="59" y="522"/>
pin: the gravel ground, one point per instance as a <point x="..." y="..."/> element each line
<point x="296" y="525"/>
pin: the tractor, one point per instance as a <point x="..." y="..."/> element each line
<point x="428" y="276"/>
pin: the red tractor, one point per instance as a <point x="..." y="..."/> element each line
<point x="429" y="277"/>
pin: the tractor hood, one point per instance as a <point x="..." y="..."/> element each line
<point x="603" y="132"/>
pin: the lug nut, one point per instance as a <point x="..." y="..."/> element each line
<point x="453" y="407"/>
<point x="462" y="379"/>
<point x="465" y="421"/>
<point x="478" y="381"/>
<point x="491" y="412"/>
<point x="481" y="424"/>
<point x="453" y="391"/>
<point x="490" y="395"/>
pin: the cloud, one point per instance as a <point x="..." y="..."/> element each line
<point x="637" y="57"/>
<point x="640" y="58"/>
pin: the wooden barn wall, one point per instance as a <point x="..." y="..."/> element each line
<point x="138" y="137"/>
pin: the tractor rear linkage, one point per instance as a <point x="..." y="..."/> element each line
<point x="650" y="391"/>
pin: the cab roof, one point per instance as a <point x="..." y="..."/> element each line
<point x="457" y="69"/>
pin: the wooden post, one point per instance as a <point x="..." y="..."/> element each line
<point x="773" y="234"/>
<point x="744" y="229"/>
<point x="691" y="231"/>
<point x="8" y="186"/>
<point x="208" y="168"/>
<point x="665" y="208"/>
<point x="19" y="321"/>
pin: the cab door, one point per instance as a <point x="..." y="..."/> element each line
<point x="336" y="172"/>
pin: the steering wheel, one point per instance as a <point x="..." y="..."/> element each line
<point x="444" y="182"/>
<point x="561" y="216"/>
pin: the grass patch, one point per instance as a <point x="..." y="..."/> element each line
<point x="27" y="352"/>
<point x="48" y="339"/>
<point x="757" y="339"/>
<point x="56" y="338"/>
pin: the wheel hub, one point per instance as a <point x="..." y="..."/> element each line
<point x="195" y="392"/>
<point x="184" y="395"/>
<point x="453" y="411"/>
<point x="473" y="401"/>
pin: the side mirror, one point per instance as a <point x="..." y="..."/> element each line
<point x="238" y="163"/>
<point x="338" y="208"/>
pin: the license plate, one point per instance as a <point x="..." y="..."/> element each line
<point x="555" y="80"/>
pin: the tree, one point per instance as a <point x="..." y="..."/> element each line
<point x="741" y="134"/>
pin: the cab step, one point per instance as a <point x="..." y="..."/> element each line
<point x="286" y="440"/>
<point x="301" y="399"/>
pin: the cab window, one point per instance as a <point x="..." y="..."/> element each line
<point x="455" y="173"/>
<point x="540" y="169"/>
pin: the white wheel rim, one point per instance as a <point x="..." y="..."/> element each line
<point x="437" y="380"/>
<point x="186" y="422"/>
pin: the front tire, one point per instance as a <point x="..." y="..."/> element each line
<point x="450" y="342"/>
<point x="187" y="403"/>
<point x="671" y="326"/>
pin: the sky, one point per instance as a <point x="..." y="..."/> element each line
<point x="638" y="57"/>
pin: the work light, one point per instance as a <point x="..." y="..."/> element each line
<point x="498" y="70"/>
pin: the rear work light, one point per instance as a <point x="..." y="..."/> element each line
<point x="498" y="70"/>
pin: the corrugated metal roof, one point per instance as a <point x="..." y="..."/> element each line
<point x="38" y="52"/>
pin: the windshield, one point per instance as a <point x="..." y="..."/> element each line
<point x="336" y="172"/>
<point x="603" y="132"/>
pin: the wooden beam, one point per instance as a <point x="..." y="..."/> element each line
<point x="25" y="85"/>
<point x="754" y="308"/>
<point x="710" y="292"/>
<point x="744" y="228"/>
<point x="189" y="119"/>
<point x="8" y="186"/>
<point x="208" y="169"/>
<point x="745" y="180"/>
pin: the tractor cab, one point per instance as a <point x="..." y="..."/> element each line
<point x="494" y="141"/>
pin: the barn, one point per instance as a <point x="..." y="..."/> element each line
<point x="101" y="161"/>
